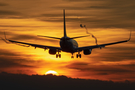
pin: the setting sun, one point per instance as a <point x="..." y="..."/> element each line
<point x="51" y="72"/>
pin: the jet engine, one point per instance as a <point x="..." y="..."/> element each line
<point x="52" y="51"/>
<point x="87" y="51"/>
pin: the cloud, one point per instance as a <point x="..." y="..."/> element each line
<point x="24" y="37"/>
<point x="4" y="12"/>
<point x="121" y="53"/>
<point x="5" y="63"/>
<point x="32" y="38"/>
<point x="11" y="26"/>
<point x="105" y="14"/>
<point x="3" y="4"/>
<point x="93" y="13"/>
<point x="11" y="14"/>
<point x="79" y="0"/>
<point x="12" y="59"/>
<point x="102" y="69"/>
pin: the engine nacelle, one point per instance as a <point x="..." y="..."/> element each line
<point x="52" y="51"/>
<point x="87" y="51"/>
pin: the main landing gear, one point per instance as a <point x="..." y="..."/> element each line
<point x="77" y="55"/>
<point x="58" y="55"/>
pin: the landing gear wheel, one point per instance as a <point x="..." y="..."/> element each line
<point x="80" y="55"/>
<point x="56" y="55"/>
<point x="77" y="55"/>
<point x="59" y="55"/>
<point x="72" y="56"/>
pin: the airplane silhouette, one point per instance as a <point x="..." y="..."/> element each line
<point x="67" y="44"/>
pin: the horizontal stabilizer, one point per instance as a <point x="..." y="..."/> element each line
<point x="49" y="37"/>
<point x="79" y="36"/>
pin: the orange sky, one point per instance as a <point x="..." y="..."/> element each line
<point x="108" y="20"/>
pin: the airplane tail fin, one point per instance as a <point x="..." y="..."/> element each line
<point x="65" y="34"/>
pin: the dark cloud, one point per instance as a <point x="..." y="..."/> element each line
<point x="118" y="14"/>
<point x="102" y="73"/>
<point x="80" y="0"/>
<point x="3" y="4"/>
<point x="20" y="71"/>
<point x="121" y="53"/>
<point x="105" y="14"/>
<point x="51" y="15"/>
<point x="10" y="26"/>
<point x="23" y="37"/>
<point x="33" y="38"/>
<point x="6" y="63"/>
<point x="113" y="69"/>
<point x="103" y="69"/>
<point x="80" y="64"/>
<point x="4" y="12"/>
<point x="71" y="7"/>
<point x="11" y="59"/>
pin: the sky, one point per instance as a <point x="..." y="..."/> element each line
<point x="108" y="20"/>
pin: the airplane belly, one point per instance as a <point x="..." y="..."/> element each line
<point x="68" y="46"/>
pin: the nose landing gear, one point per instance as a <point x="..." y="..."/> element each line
<point x="72" y="56"/>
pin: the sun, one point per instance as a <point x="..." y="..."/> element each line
<point x="51" y="72"/>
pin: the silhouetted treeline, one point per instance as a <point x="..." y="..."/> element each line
<point x="50" y="82"/>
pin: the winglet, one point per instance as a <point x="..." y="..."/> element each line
<point x="5" y="36"/>
<point x="5" y="40"/>
<point x="130" y="36"/>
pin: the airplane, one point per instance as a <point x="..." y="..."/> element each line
<point x="67" y="44"/>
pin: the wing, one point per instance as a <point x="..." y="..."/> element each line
<point x="29" y="44"/>
<point x="102" y="45"/>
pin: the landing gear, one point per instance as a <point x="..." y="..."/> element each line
<point x="58" y="55"/>
<point x="72" y="56"/>
<point x="78" y="55"/>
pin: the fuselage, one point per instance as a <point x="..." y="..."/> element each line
<point x="68" y="45"/>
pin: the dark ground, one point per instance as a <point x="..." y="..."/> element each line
<point x="51" y="82"/>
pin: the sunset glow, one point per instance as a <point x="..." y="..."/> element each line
<point x="108" y="20"/>
<point x="51" y="72"/>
